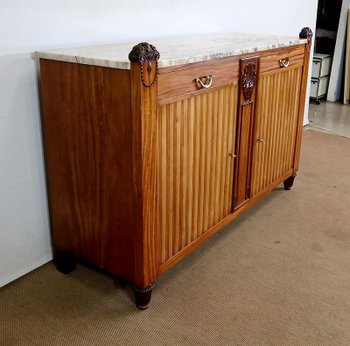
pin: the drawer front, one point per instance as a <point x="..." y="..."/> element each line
<point x="316" y="68"/>
<point x="326" y="67"/>
<point x="313" y="88"/>
<point x="323" y="88"/>
<point x="319" y="87"/>
<point x="183" y="81"/>
<point x="178" y="82"/>
<point x="282" y="58"/>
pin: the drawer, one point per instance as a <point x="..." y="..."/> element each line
<point x="319" y="87"/>
<point x="316" y="68"/>
<point x="181" y="81"/>
<point x="290" y="57"/>
<point x="321" y="65"/>
<point x="173" y="83"/>
<point x="314" y="88"/>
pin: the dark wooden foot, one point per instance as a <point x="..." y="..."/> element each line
<point x="64" y="262"/>
<point x="288" y="183"/>
<point x="143" y="296"/>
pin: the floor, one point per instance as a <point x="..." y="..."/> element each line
<point x="331" y="116"/>
<point x="276" y="276"/>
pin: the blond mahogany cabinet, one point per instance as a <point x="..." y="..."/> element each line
<point x="147" y="158"/>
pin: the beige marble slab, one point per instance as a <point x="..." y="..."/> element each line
<point x="173" y="51"/>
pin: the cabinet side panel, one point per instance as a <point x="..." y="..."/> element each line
<point x="195" y="149"/>
<point x="303" y="90"/>
<point x="87" y="134"/>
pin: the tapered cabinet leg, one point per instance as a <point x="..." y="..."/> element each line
<point x="64" y="262"/>
<point x="143" y="296"/>
<point x="288" y="183"/>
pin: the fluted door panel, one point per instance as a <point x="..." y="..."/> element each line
<point x="195" y="153"/>
<point x="275" y="126"/>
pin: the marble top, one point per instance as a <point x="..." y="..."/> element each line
<point x="173" y="51"/>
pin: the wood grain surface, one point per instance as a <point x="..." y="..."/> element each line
<point x="275" y="126"/>
<point x="195" y="148"/>
<point x="86" y="121"/>
<point x="182" y="82"/>
<point x="138" y="177"/>
<point x="145" y="163"/>
<point x="270" y="62"/>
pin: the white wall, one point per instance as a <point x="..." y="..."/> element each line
<point x="336" y="79"/>
<point x="29" y="25"/>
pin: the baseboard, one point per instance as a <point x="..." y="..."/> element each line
<point x="25" y="270"/>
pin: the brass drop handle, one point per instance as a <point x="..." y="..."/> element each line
<point x="232" y="155"/>
<point x="284" y="62"/>
<point x="259" y="140"/>
<point x="205" y="81"/>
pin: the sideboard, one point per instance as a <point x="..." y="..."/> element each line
<point x="151" y="149"/>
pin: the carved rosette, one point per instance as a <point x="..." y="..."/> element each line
<point x="144" y="52"/>
<point x="248" y="81"/>
<point x="306" y="33"/>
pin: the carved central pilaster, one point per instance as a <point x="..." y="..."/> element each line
<point x="248" y="79"/>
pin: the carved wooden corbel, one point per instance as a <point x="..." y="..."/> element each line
<point x="306" y="33"/>
<point x="145" y="53"/>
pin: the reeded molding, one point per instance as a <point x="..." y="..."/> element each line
<point x="147" y="289"/>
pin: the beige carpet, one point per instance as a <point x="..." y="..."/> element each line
<point x="278" y="275"/>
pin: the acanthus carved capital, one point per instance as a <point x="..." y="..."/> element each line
<point x="144" y="52"/>
<point x="306" y="33"/>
